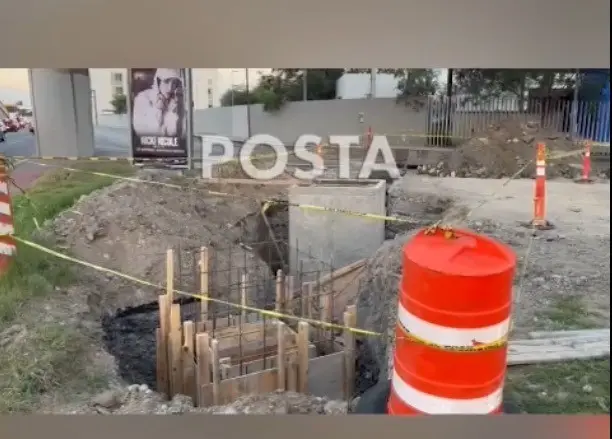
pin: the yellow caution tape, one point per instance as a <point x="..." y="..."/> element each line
<point x="310" y="207"/>
<point x="131" y="179"/>
<point x="74" y="159"/>
<point x="476" y="347"/>
<point x="263" y="312"/>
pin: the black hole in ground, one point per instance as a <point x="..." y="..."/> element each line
<point x="129" y="335"/>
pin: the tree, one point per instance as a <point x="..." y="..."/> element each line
<point x="119" y="103"/>
<point x="416" y="83"/>
<point x="481" y="84"/>
<point x="235" y="96"/>
<point x="287" y="85"/>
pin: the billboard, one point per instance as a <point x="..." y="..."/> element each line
<point x="158" y="115"/>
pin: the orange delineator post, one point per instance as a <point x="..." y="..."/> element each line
<point x="539" y="200"/>
<point x="369" y="137"/>
<point x="453" y="321"/>
<point x="7" y="229"/>
<point x="586" y="165"/>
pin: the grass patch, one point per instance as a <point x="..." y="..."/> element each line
<point x="570" y="387"/>
<point x="567" y="312"/>
<point x="562" y="388"/>
<point x="48" y="356"/>
<point x="35" y="274"/>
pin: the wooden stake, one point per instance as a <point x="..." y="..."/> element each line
<point x="175" y="347"/>
<point x="203" y="359"/>
<point x="204" y="259"/>
<point x="279" y="291"/>
<point x="350" y="320"/>
<point x="188" y="360"/>
<point x="289" y="294"/>
<point x="292" y="373"/>
<point x="280" y="357"/>
<point x="303" y="357"/>
<point x="243" y="297"/>
<point x="163" y="364"/>
<point x="170" y="275"/>
<point x="214" y="350"/>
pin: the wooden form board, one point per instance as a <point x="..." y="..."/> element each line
<point x="231" y="389"/>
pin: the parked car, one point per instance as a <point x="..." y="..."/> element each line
<point x="11" y="125"/>
<point x="2" y="135"/>
<point x="31" y="127"/>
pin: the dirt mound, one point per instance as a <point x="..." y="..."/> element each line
<point x="128" y="227"/>
<point x="507" y="147"/>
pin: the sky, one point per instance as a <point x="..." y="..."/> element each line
<point x="15" y="86"/>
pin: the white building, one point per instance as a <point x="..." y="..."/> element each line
<point x="105" y="83"/>
<point x="358" y="86"/>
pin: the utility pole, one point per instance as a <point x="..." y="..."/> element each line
<point x="232" y="89"/>
<point x="373" y="83"/>
<point x="189" y="114"/>
<point x="449" y="83"/>
<point x="248" y="99"/>
<point x="574" y="128"/>
<point x="305" y="85"/>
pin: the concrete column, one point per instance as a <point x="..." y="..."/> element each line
<point x="61" y="103"/>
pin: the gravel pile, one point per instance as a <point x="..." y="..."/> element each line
<point x="139" y="399"/>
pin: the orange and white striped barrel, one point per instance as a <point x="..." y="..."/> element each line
<point x="7" y="242"/>
<point x="539" y="200"/>
<point x="452" y="325"/>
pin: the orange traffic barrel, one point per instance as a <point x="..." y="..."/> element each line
<point x="7" y="242"/>
<point x="452" y="325"/>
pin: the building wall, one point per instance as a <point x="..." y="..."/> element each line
<point x="324" y="118"/>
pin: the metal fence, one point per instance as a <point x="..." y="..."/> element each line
<point x="450" y="120"/>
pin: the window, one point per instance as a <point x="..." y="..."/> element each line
<point x="117" y="77"/>
<point x="210" y="83"/>
<point x="117" y="91"/>
<point x="210" y="92"/>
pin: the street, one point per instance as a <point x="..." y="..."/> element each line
<point x="109" y="142"/>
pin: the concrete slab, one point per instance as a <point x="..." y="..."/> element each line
<point x="335" y="238"/>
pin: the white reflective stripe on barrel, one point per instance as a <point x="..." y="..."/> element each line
<point x="444" y="336"/>
<point x="435" y="405"/>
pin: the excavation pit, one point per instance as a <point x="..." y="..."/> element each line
<point x="247" y="340"/>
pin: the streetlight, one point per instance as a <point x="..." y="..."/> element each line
<point x="232" y="87"/>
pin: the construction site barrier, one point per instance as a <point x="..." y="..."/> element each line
<point x="7" y="229"/>
<point x="452" y="325"/>
<point x="539" y="200"/>
<point x="585" y="176"/>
